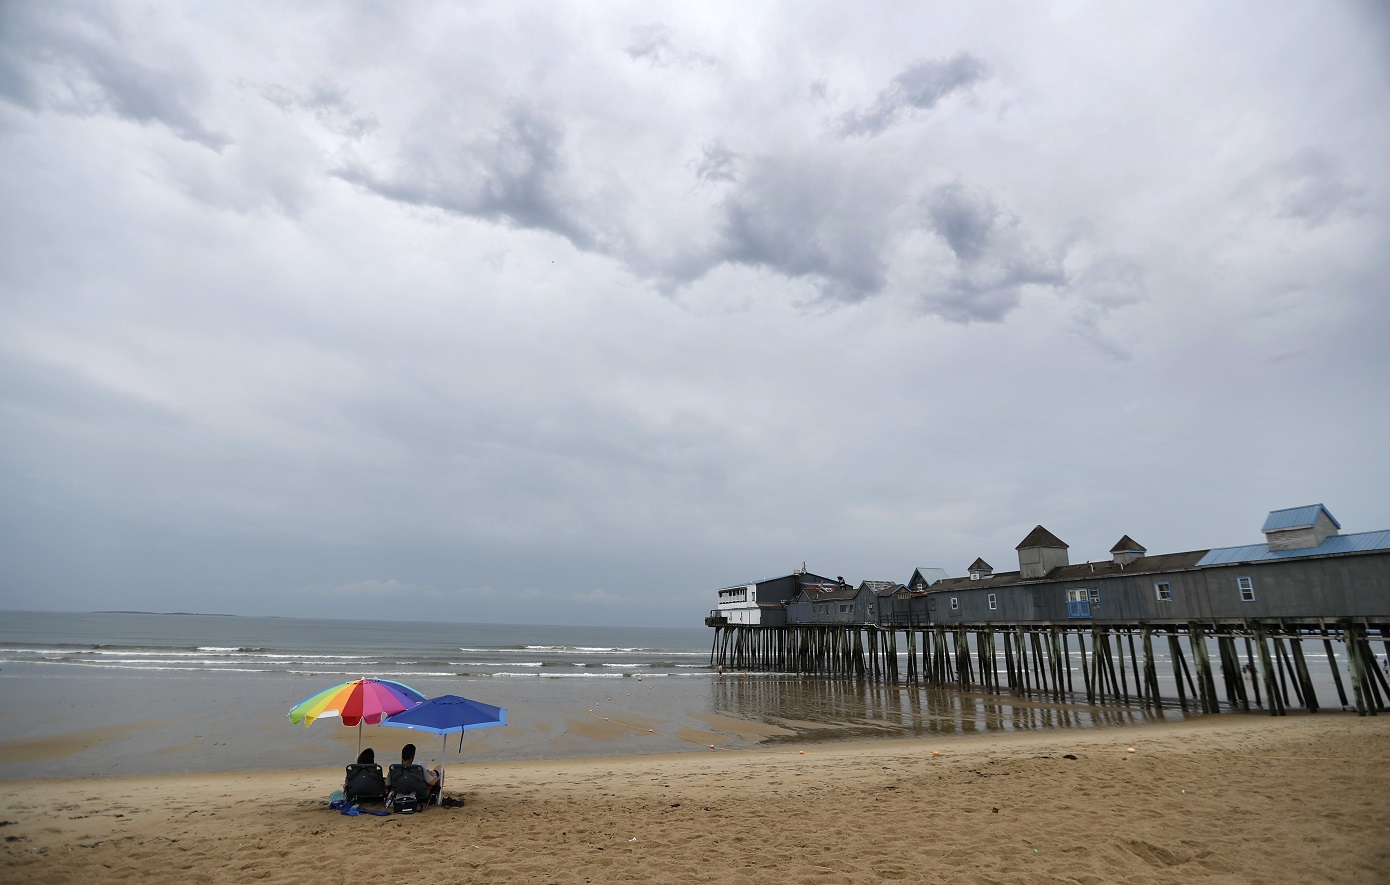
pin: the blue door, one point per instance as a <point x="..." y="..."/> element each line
<point x="1078" y="603"/>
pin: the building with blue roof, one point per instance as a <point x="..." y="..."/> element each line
<point x="1306" y="582"/>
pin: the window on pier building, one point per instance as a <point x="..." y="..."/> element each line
<point x="1247" y="589"/>
<point x="993" y="603"/>
<point x="1163" y="592"/>
<point x="1095" y="596"/>
<point x="845" y="608"/>
<point x="955" y="603"/>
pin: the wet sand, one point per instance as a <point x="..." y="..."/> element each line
<point x="1229" y="798"/>
<point x="94" y="724"/>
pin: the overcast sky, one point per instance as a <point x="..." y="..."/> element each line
<point x="525" y="311"/>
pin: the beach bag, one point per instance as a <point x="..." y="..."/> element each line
<point x="410" y="780"/>
<point x="403" y="803"/>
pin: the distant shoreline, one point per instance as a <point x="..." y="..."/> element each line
<point x="125" y="611"/>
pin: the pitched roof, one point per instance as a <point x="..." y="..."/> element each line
<point x="1364" y="542"/>
<point x="804" y="576"/>
<point x="1163" y="562"/>
<point x="1296" y="518"/>
<point x="979" y="564"/>
<point x="880" y="588"/>
<point x="1040" y="537"/>
<point x="827" y="592"/>
<point x="930" y="574"/>
<point x="998" y="579"/>
<point x="1128" y="545"/>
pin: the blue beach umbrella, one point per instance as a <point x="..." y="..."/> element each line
<point x="445" y="715"/>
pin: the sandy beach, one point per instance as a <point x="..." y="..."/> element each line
<point x="1230" y="798"/>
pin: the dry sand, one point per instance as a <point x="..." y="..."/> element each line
<point x="1229" y="798"/>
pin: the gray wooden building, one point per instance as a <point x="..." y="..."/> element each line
<point x="1306" y="582"/>
<point x="1305" y="569"/>
<point x="837" y="603"/>
<point x="763" y="603"/>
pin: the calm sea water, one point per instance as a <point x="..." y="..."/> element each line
<point x="132" y="693"/>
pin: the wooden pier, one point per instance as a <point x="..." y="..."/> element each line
<point x="1257" y="663"/>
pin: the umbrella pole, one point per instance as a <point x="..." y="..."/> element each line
<point x="359" y="738"/>
<point x="443" y="751"/>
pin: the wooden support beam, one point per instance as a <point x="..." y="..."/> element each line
<point x="1150" y="668"/>
<point x="1254" y="678"/>
<point x="911" y="656"/>
<point x="1377" y="680"/>
<point x="1085" y="671"/>
<point x="893" y="654"/>
<point x="1110" y="663"/>
<point x="984" y="645"/>
<point x="1021" y="647"/>
<point x="1066" y="657"/>
<point x="1039" y="666"/>
<point x="1228" y="673"/>
<point x="1097" y="664"/>
<point x="1174" y="660"/>
<point x="1202" y="661"/>
<point x="1283" y="668"/>
<point x="1054" y="662"/>
<point x="1139" y="690"/>
<point x="1276" y="703"/>
<point x="1336" y="671"/>
<point x="943" y="657"/>
<point x="1009" y="671"/>
<point x="873" y="655"/>
<point x="926" y="657"/>
<point x="1356" y="666"/>
<point x="1242" y="697"/>
<point x="1310" y="697"/>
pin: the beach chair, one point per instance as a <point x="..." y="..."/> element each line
<point x="364" y="782"/>
<point x="410" y="782"/>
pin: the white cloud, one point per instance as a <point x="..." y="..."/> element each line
<point x="622" y="304"/>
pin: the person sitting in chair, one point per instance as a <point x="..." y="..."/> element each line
<point x="363" y="780"/>
<point x="408" y="777"/>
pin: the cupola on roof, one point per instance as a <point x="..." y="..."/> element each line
<point x="1041" y="537"/>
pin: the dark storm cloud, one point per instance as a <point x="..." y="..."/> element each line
<point x="78" y="62"/>
<point x="514" y="176"/>
<point x="994" y="259"/>
<point x="965" y="220"/>
<point x="798" y="220"/>
<point x="919" y="87"/>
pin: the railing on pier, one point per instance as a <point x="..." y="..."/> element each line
<point x="905" y="619"/>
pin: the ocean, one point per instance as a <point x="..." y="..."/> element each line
<point x="139" y="693"/>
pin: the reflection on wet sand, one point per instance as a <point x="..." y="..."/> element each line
<point x="828" y="709"/>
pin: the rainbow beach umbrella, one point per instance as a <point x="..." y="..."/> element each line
<point x="355" y="702"/>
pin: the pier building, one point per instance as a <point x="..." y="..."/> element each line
<point x="1058" y="627"/>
